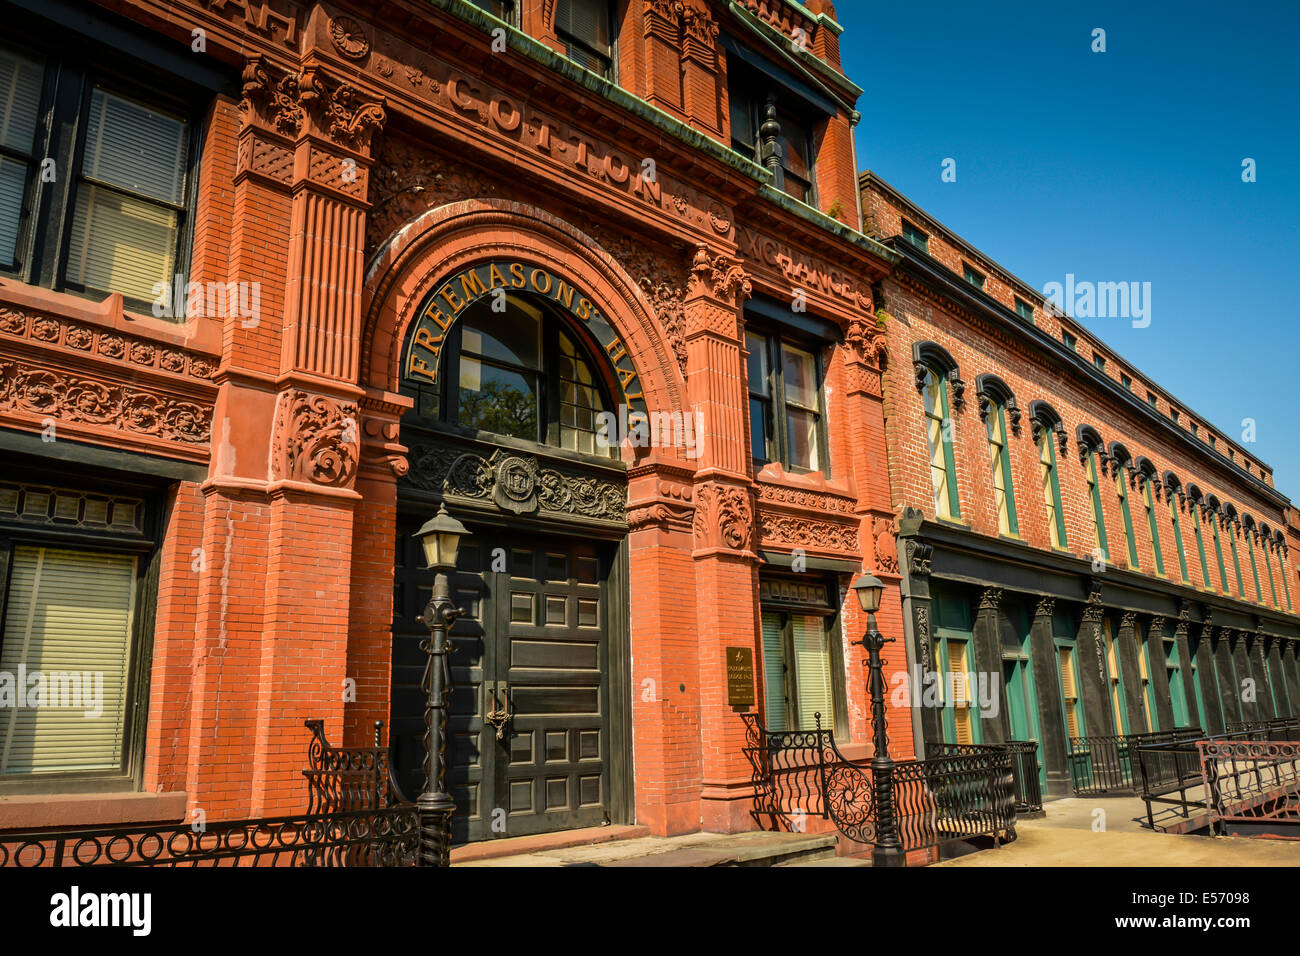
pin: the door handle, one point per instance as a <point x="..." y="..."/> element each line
<point x="500" y="711"/>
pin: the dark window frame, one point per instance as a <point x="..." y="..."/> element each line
<point x="569" y="39"/>
<point x="832" y="631"/>
<point x="752" y="90"/>
<point x="776" y="439"/>
<point x="74" y="68"/>
<point x="147" y="547"/>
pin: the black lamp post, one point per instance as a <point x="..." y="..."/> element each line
<point x="440" y="537"/>
<point x="888" y="850"/>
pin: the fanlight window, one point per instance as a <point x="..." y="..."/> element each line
<point x="518" y="373"/>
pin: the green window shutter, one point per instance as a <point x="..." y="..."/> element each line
<point x="69" y="614"/>
<point x="1098" y="516"/>
<point x="774" y="672"/>
<point x="1268" y="566"/>
<point x="812" y="669"/>
<point x="1178" y="540"/>
<point x="1155" y="530"/>
<point x="1130" y="539"/>
<point x="1200" y="545"/>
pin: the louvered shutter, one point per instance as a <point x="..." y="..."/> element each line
<point x="1069" y="692"/>
<point x="812" y="672"/>
<point x="69" y="613"/>
<point x="774" y="672"/>
<point x="20" y="98"/>
<point x="119" y="242"/>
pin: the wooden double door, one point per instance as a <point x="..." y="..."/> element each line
<point x="529" y="729"/>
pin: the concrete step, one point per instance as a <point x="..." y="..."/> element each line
<point x="829" y="860"/>
<point x="692" y="850"/>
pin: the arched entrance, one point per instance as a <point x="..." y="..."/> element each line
<point x="509" y="357"/>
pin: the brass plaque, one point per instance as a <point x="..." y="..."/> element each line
<point x="740" y="677"/>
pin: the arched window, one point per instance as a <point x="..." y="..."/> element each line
<point x="1266" y="543"/>
<point x="1091" y="451"/>
<point x="1121" y="462"/>
<point x="1150" y="488"/>
<point x="1198" y="513"/>
<point x="1048" y="431"/>
<point x="1252" y="533"/>
<point x="1177" y="501"/>
<point x="941" y="390"/>
<point x="1232" y="522"/>
<point x="997" y="407"/>
<point x="522" y="373"/>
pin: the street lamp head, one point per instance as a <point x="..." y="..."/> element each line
<point x="869" y="589"/>
<point x="440" y="537"/>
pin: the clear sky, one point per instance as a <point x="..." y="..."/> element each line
<point x="1117" y="166"/>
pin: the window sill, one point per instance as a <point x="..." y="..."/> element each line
<point x="37" y="811"/>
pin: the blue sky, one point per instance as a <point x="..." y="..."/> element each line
<point x="1116" y="166"/>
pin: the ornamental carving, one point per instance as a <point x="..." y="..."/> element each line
<point x="804" y="498"/>
<point x="667" y="303"/>
<point x="349" y="117"/>
<point x="723" y="276"/>
<point x="699" y="25"/>
<point x="956" y="387"/>
<point x="57" y="331"/>
<point x="1158" y="625"/>
<point x="349" y="38"/>
<point x="886" y="545"/>
<point x="275" y="94"/>
<point x="1036" y="427"/>
<point x="71" y="398"/>
<point x="990" y="599"/>
<point x="923" y="634"/>
<point x="1046" y="607"/>
<point x="1094" y="610"/>
<point x="725" y="509"/>
<point x="866" y="340"/>
<point x="806" y="533"/>
<point x="1128" y="619"/>
<point x="317" y="439"/>
<point x="918" y="557"/>
<point x="515" y="482"/>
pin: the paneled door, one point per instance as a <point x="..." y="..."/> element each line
<point x="528" y="727"/>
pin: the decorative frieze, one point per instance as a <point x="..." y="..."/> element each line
<point x="65" y="397"/>
<point x="797" y="531"/>
<point x="724" y="517"/>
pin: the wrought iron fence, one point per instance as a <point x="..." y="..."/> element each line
<point x="1275" y="728"/>
<point x="1108" y="764"/>
<point x="376" y="837"/>
<point x="1170" y="766"/>
<point x="947" y="797"/>
<point x="1252" y="787"/>
<point x="356" y="817"/>
<point x="1024" y="768"/>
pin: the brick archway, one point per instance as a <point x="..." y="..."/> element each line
<point x="443" y="241"/>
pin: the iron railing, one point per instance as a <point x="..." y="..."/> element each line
<point x="1024" y="768"/>
<point x="947" y="797"/>
<point x="377" y="837"/>
<point x="356" y="817"/>
<point x="1169" y="766"/>
<point x="1275" y="728"/>
<point x="1252" y="787"/>
<point x="1107" y="764"/>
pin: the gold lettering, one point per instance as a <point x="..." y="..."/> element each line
<point x="564" y="293"/>
<point x="418" y="366"/>
<point x="427" y="340"/>
<point x="584" y="309"/>
<point x="449" y="294"/>
<point x="517" y="275"/>
<point x="616" y="351"/>
<point x="434" y="313"/>
<point x="497" y="278"/>
<point x="471" y="286"/>
<point x="544" y="274"/>
<point x="625" y="375"/>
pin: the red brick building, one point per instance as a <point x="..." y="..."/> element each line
<point x="1116" y="563"/>
<point x="279" y="279"/>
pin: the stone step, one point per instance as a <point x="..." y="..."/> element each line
<point x="828" y="860"/>
<point x="692" y="850"/>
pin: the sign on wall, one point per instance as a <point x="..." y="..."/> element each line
<point x="498" y="278"/>
<point x="740" y="678"/>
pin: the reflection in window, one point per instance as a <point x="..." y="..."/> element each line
<point x="785" y="379"/>
<point x="938" y="425"/>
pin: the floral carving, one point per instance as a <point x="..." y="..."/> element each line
<point x="75" y="399"/>
<point x="317" y="439"/>
<point x="45" y="329"/>
<point x="886" y="545"/>
<point x="803" y="532"/>
<point x="726" y="510"/>
<point x="349" y="38"/>
<point x="724" y="276"/>
<point x="276" y="94"/>
<point x="348" y="116"/>
<point x="667" y="304"/>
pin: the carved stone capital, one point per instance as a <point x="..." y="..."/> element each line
<point x="990" y="599"/>
<point x="724" y="517"/>
<point x="1046" y="607"/>
<point x="918" y="555"/>
<point x="720" y="276"/>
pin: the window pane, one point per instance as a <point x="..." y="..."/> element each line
<point x="585" y="20"/>
<point x="741" y="107"/>
<point x="758" y="429"/>
<point x="134" y="147"/>
<point x="758" y="378"/>
<point x="802" y="433"/>
<point x="799" y="375"/>
<point x="120" y="244"/>
<point x="580" y="400"/>
<point x="497" y="400"/>
<point x="513" y="336"/>
<point x="812" y="666"/>
<point x="774" y="673"/>
<point x="794" y="146"/>
<point x="20" y="99"/>
<point x="13" y="185"/>
<point x="70" y="618"/>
